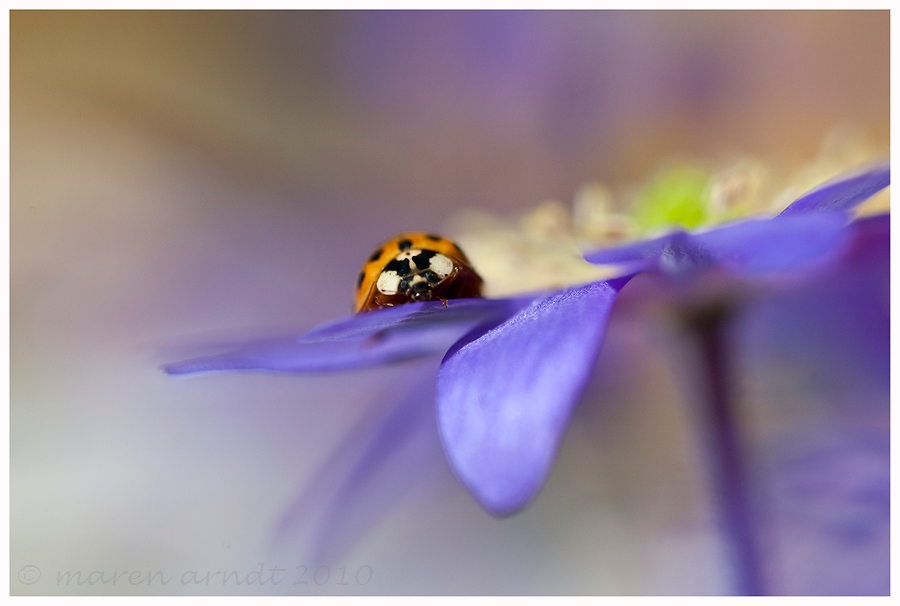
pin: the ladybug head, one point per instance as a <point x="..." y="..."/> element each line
<point x="419" y="286"/>
<point x="421" y="291"/>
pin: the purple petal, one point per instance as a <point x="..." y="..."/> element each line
<point x="753" y="247"/>
<point x="838" y="325"/>
<point x="377" y="337"/>
<point x="635" y="256"/>
<point x="505" y="395"/>
<point x="871" y="242"/>
<point x="382" y="459"/>
<point x="415" y="316"/>
<point x="843" y="194"/>
<point x="767" y="246"/>
<point x="826" y="464"/>
<point x="829" y="502"/>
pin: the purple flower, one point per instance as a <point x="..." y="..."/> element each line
<point x="514" y="369"/>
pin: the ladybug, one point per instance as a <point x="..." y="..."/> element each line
<point x="415" y="266"/>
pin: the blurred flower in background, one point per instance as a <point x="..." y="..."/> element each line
<point x="180" y="176"/>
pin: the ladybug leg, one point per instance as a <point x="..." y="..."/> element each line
<point x="443" y="301"/>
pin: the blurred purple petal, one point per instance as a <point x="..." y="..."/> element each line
<point x="289" y="355"/>
<point x="870" y="246"/>
<point x="634" y="256"/>
<point x="763" y="246"/>
<point x="754" y="247"/>
<point x="843" y="194"/>
<point x="818" y="352"/>
<point x="505" y="396"/>
<point x="377" y="337"/>
<point x="684" y="255"/>
<point x="837" y="326"/>
<point x="830" y="502"/>
<point x="386" y="456"/>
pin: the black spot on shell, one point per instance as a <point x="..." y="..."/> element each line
<point x="359" y="280"/>
<point x="423" y="259"/>
<point x="401" y="267"/>
<point x="404" y="244"/>
<point x="376" y="255"/>
<point x="434" y="237"/>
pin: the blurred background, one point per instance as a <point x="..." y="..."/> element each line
<point x="181" y="178"/>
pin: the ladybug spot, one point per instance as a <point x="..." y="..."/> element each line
<point x="423" y="259"/>
<point x="434" y="237"/>
<point x="359" y="280"/>
<point x="404" y="244"/>
<point x="401" y="267"/>
<point x="375" y="255"/>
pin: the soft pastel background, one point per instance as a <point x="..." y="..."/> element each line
<point x="185" y="178"/>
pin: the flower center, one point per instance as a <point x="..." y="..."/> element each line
<point x="676" y="196"/>
<point x="542" y="249"/>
